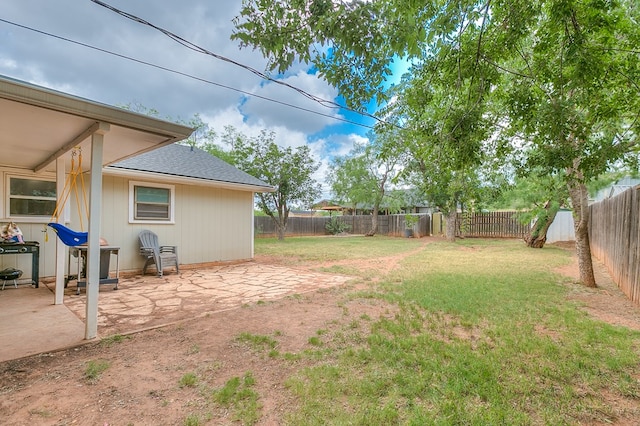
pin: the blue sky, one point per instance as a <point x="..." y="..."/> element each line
<point x="51" y="62"/>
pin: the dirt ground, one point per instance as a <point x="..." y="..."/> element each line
<point x="141" y="384"/>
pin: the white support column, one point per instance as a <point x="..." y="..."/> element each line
<point x="61" y="248"/>
<point x="253" y="227"/>
<point x="95" y="213"/>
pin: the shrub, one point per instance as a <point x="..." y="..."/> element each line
<point x="411" y="220"/>
<point x="335" y="226"/>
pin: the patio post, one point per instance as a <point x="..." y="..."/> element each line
<point x="61" y="248"/>
<point x="95" y="213"/>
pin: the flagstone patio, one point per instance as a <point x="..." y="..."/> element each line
<point x="149" y="301"/>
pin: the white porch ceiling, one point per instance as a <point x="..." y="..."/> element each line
<point x="37" y="125"/>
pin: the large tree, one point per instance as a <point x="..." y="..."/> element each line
<point x="573" y="97"/>
<point x="447" y="121"/>
<point x="204" y="137"/>
<point x="574" y="67"/>
<point x="363" y="177"/>
<point x="289" y="170"/>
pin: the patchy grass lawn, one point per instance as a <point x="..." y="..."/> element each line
<point x="480" y="332"/>
<point x="483" y="334"/>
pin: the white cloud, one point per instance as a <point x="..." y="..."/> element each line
<point x="278" y="114"/>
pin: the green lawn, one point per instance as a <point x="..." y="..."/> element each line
<point x="329" y="248"/>
<point x="484" y="335"/>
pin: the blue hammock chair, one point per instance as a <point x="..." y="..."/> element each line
<point x="69" y="236"/>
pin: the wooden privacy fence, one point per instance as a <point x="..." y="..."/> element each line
<point x="392" y="225"/>
<point x="614" y="231"/>
<point x="491" y="225"/>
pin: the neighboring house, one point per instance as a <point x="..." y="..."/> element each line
<point x="616" y="188"/>
<point x="396" y="201"/>
<point x="327" y="206"/>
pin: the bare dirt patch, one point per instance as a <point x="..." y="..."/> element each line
<point x="141" y="385"/>
<point x="606" y="302"/>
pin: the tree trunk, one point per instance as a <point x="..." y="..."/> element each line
<point x="451" y="225"/>
<point x="579" y="199"/>
<point x="281" y="225"/>
<point x="538" y="235"/>
<point x="374" y="223"/>
<point x="376" y="207"/>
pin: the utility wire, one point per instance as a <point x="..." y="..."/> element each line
<point x="185" y="74"/>
<point x="190" y="45"/>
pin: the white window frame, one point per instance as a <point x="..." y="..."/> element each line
<point x="8" y="197"/>
<point x="132" y="202"/>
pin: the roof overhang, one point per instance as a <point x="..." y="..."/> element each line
<point x="40" y="125"/>
<point x="165" y="178"/>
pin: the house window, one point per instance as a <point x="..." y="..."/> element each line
<point x="151" y="202"/>
<point x="31" y="197"/>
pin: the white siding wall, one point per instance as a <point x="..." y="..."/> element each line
<point x="211" y="224"/>
<point x="33" y="230"/>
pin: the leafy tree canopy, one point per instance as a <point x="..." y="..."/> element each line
<point x="289" y="170"/>
<point x="364" y="177"/>
<point x="566" y="74"/>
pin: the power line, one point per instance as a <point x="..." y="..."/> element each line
<point x="160" y="67"/>
<point x="190" y="45"/>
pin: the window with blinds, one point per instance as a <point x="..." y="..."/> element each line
<point x="150" y="202"/>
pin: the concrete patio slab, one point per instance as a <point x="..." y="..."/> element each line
<point x="143" y="302"/>
<point x="32" y="324"/>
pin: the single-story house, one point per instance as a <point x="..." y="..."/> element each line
<point x="201" y="204"/>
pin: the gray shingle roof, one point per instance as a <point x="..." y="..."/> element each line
<point x="185" y="161"/>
